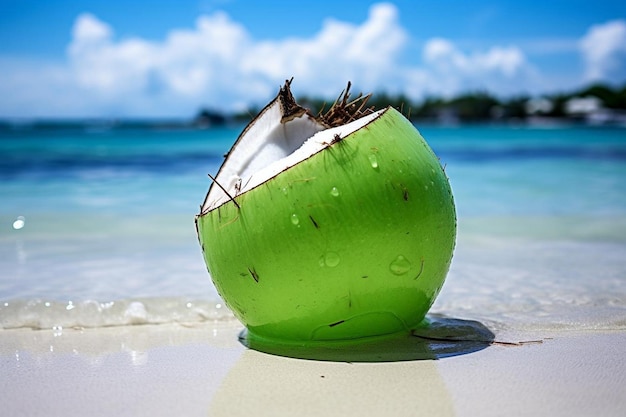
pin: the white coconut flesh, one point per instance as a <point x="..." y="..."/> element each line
<point x="281" y="136"/>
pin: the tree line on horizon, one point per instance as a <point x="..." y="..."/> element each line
<point x="468" y="107"/>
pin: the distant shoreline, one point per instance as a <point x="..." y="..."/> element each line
<point x="594" y="105"/>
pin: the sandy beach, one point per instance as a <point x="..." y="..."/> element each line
<point x="200" y="370"/>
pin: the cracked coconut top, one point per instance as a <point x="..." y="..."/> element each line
<point x="281" y="136"/>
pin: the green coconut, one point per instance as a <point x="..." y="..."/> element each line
<point x="328" y="228"/>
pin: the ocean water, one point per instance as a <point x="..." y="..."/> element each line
<point x="96" y="225"/>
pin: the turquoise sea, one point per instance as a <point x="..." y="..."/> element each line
<point x="96" y="225"/>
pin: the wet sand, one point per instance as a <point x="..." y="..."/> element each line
<point x="200" y="370"/>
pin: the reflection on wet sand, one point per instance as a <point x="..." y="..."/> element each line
<point x="346" y="379"/>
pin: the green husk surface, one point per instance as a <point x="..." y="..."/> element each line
<point x="354" y="241"/>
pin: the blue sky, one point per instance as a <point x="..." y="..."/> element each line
<point x="70" y="58"/>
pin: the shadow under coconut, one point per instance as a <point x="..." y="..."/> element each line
<point x="438" y="338"/>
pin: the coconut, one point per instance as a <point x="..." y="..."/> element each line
<point x="328" y="227"/>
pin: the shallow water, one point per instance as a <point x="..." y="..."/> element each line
<point x="96" y="227"/>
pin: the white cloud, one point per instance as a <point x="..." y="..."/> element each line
<point x="499" y="68"/>
<point x="443" y="55"/>
<point x="217" y="63"/>
<point x="184" y="64"/>
<point x="88" y="28"/>
<point x="339" y="52"/>
<point x="604" y="50"/>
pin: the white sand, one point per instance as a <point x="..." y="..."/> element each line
<point x="172" y="370"/>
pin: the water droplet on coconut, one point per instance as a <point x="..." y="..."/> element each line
<point x="331" y="259"/>
<point x="373" y="160"/>
<point x="284" y="190"/>
<point x="294" y="219"/>
<point x="400" y="265"/>
<point x="334" y="192"/>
